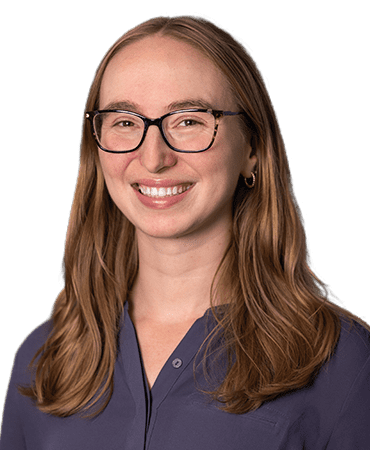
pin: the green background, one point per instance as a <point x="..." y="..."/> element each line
<point x="315" y="56"/>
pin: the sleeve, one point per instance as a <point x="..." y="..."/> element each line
<point x="352" y="430"/>
<point x="12" y="437"/>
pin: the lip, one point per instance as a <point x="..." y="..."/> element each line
<point x="161" y="183"/>
<point x="161" y="202"/>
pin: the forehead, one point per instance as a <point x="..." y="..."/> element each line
<point x="161" y="70"/>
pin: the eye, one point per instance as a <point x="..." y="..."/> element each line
<point x="127" y="122"/>
<point x="124" y="124"/>
<point x="188" y="123"/>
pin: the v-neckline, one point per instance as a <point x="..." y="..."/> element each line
<point x="180" y="358"/>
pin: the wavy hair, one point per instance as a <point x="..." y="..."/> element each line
<point x="279" y="327"/>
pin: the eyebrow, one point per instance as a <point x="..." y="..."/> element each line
<point x="125" y="106"/>
<point x="174" y="106"/>
<point x="190" y="103"/>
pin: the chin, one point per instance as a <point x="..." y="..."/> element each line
<point x="162" y="232"/>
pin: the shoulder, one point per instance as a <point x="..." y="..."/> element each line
<point x="350" y="364"/>
<point x="350" y="358"/>
<point x="347" y="387"/>
<point x="333" y="410"/>
<point x="353" y="327"/>
<point x="35" y="339"/>
<point x="27" y="350"/>
<point x="345" y="378"/>
<point x="353" y="347"/>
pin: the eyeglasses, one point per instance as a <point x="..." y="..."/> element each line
<point x="187" y="130"/>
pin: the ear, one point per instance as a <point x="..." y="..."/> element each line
<point x="250" y="159"/>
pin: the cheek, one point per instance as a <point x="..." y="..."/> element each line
<point x="114" y="165"/>
<point x="220" y="175"/>
<point x="229" y="162"/>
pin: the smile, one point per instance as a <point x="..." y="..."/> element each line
<point x="161" y="192"/>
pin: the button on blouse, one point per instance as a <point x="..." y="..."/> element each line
<point x="177" y="363"/>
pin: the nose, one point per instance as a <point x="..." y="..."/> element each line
<point x="154" y="153"/>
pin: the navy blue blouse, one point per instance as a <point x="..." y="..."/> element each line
<point x="333" y="413"/>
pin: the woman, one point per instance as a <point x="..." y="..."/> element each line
<point x="190" y="318"/>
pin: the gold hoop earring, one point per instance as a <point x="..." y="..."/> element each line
<point x="250" y="186"/>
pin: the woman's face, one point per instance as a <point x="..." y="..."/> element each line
<point x="152" y="77"/>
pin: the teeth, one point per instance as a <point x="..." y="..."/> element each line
<point x="163" y="192"/>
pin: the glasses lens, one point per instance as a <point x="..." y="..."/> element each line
<point x="118" y="131"/>
<point x="191" y="131"/>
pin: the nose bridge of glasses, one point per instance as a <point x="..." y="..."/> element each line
<point x="155" y="154"/>
<point x="156" y="122"/>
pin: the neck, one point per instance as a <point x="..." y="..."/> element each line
<point x="175" y="276"/>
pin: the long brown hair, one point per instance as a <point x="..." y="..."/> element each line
<point x="279" y="327"/>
